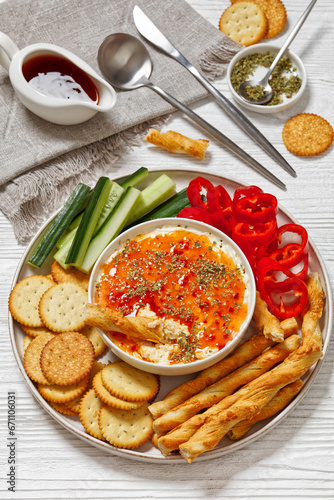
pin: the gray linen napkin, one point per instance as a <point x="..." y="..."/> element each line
<point x="41" y="162"/>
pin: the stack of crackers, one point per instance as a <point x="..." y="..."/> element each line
<point x="60" y="357"/>
<point x="249" y="21"/>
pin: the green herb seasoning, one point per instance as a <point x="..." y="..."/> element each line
<point x="283" y="81"/>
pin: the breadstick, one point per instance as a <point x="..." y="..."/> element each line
<point x="260" y="392"/>
<point x="280" y="401"/>
<point x="135" y="327"/>
<point x="313" y="310"/>
<point x="267" y="322"/>
<point x="242" y="355"/>
<point x="226" y="386"/>
<point x="178" y="143"/>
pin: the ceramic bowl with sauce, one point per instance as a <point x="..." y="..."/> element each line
<point x="55" y="84"/>
<point x="185" y="275"/>
<point x="262" y="48"/>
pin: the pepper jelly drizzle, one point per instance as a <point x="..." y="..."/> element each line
<point x="181" y="276"/>
<point x="56" y="76"/>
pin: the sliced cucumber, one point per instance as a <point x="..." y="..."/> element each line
<point x="169" y="208"/>
<point x="88" y="222"/>
<point x="115" y="194"/>
<point x="135" y="178"/>
<point x="111" y="228"/>
<point x="59" y="225"/>
<point x="152" y="196"/>
<point x="62" y="253"/>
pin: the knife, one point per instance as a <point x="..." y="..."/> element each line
<point x="149" y="31"/>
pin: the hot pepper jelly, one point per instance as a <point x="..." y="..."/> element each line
<point x="186" y="279"/>
<point x="55" y="76"/>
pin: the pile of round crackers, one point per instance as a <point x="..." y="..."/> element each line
<point x="60" y="357"/>
<point x="249" y="21"/>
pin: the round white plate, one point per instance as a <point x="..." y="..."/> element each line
<point x="148" y="452"/>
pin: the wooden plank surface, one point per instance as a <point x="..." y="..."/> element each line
<point x="294" y="460"/>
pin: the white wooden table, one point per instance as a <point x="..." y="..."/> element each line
<point x="296" y="459"/>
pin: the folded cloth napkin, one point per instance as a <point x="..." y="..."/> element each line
<point x="41" y="162"/>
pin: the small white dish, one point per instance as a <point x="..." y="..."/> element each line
<point x="53" y="109"/>
<point x="262" y="48"/>
<point x="170" y="224"/>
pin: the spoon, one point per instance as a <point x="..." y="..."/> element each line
<point x="264" y="82"/>
<point x="126" y="64"/>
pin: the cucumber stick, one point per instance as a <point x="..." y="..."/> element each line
<point x="88" y="222"/>
<point x="113" y="225"/>
<point x="62" y="253"/>
<point x="169" y="208"/>
<point x="59" y="225"/>
<point x="115" y="193"/>
<point x="152" y="196"/>
<point x="135" y="178"/>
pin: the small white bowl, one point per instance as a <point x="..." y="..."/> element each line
<point x="171" y="223"/>
<point x="261" y="48"/>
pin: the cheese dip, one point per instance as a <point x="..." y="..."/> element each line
<point x="193" y="284"/>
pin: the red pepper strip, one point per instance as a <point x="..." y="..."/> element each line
<point x="260" y="207"/>
<point x="196" y="213"/>
<point x="194" y="191"/>
<point x="245" y="191"/>
<point x="281" y="310"/>
<point x="249" y="236"/>
<point x="220" y="209"/>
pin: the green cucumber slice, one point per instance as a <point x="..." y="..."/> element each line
<point x="110" y="229"/>
<point x="59" y="225"/>
<point x="153" y="195"/>
<point x="135" y="178"/>
<point x="88" y="222"/>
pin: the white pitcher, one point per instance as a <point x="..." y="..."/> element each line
<point x="54" y="109"/>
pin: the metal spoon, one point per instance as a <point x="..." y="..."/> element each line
<point x="125" y="63"/>
<point x="264" y="82"/>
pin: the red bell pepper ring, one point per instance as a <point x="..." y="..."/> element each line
<point x="260" y="207"/>
<point x="292" y="253"/>
<point x="220" y="209"/>
<point x="265" y="284"/>
<point x="245" y="191"/>
<point x="249" y="236"/>
<point x="285" y="285"/>
<point x="194" y="191"/>
<point x="196" y="213"/>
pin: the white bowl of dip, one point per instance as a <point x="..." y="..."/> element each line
<point x="262" y="48"/>
<point x="189" y="276"/>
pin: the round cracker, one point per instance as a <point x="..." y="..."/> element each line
<point x="34" y="331"/>
<point x="245" y="22"/>
<point x="62" y="394"/>
<point x="26" y="341"/>
<point x="67" y="358"/>
<point x="74" y="405"/>
<point x="70" y="275"/>
<point x="32" y="355"/>
<point x="128" y="383"/>
<point x="89" y="414"/>
<point x="275" y="13"/>
<point x="126" y="428"/>
<point x="24" y="299"/>
<point x="307" y="134"/>
<point x="61" y="308"/>
<point x="62" y="408"/>
<point x="94" y="336"/>
<point x="111" y="400"/>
